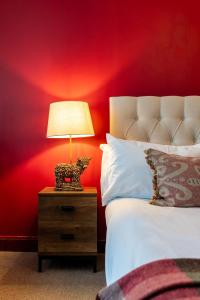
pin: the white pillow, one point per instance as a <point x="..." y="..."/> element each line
<point x="105" y="166"/>
<point x="124" y="171"/>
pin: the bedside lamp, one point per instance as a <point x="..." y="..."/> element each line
<point x="69" y="119"/>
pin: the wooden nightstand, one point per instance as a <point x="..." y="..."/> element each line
<point x="67" y="224"/>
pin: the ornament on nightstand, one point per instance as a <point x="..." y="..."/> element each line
<point x="68" y="174"/>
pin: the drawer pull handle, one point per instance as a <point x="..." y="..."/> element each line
<point x="67" y="236"/>
<point x="67" y="208"/>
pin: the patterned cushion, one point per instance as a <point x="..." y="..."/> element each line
<point x="176" y="180"/>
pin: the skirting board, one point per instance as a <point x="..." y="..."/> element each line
<point x="29" y="244"/>
<point x="18" y="243"/>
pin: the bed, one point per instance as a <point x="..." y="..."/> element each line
<point x="137" y="232"/>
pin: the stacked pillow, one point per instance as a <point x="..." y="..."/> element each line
<point x="125" y="173"/>
<point x="176" y="180"/>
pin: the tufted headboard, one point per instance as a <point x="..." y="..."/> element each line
<point x="165" y="120"/>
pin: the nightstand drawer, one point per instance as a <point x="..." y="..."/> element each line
<point x="68" y="210"/>
<point x="68" y="239"/>
<point x="50" y="226"/>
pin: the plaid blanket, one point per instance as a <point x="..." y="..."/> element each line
<point x="165" y="279"/>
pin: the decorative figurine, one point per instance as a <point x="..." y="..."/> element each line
<point x="68" y="175"/>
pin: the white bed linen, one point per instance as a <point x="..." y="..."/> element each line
<point x="138" y="233"/>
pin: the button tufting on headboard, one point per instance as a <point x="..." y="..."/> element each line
<point x="164" y="120"/>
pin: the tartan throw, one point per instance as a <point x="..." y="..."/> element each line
<point x="164" y="279"/>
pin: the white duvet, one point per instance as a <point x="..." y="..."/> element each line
<point x="138" y="233"/>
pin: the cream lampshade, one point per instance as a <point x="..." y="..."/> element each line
<point x="69" y="119"/>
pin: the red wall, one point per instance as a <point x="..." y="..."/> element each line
<point x="88" y="50"/>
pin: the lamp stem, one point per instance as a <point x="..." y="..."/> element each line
<point x="70" y="149"/>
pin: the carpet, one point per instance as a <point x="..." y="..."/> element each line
<point x="61" y="279"/>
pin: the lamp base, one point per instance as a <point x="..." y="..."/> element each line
<point x="68" y="186"/>
<point x="68" y="175"/>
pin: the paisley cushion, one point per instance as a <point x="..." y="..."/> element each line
<point x="176" y="179"/>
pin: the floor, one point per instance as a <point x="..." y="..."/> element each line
<point x="61" y="279"/>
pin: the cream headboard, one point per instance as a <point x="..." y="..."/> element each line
<point x="164" y="120"/>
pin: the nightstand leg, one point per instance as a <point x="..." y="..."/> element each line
<point x="95" y="265"/>
<point x="39" y="264"/>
